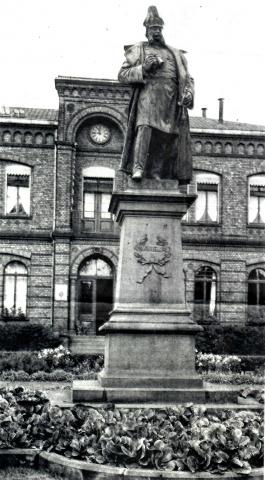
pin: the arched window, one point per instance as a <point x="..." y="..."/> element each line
<point x="205" y="293"/>
<point x="256" y="287"/>
<point x="256" y="199"/>
<point x="207" y="202"/>
<point x="96" y="267"/>
<point x="15" y="289"/>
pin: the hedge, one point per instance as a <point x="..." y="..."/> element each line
<point x="29" y="336"/>
<point x="232" y="339"/>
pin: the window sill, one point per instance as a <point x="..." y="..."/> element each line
<point x="5" y="320"/>
<point x="256" y="225"/>
<point x="201" y="224"/>
<point x="17" y="217"/>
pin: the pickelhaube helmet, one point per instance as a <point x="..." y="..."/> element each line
<point x="153" y="19"/>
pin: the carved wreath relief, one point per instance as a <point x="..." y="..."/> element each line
<point x="153" y="257"/>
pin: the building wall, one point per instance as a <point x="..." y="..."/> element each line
<point x="52" y="242"/>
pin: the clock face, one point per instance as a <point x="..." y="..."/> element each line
<point x="99" y="133"/>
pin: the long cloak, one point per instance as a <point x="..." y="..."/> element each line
<point x="182" y="167"/>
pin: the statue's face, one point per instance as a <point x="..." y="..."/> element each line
<point x="154" y="34"/>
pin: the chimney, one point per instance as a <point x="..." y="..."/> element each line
<point x="204" y="110"/>
<point x="221" y="110"/>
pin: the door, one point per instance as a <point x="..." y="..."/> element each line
<point x="94" y="295"/>
<point x="87" y="307"/>
<point x="104" y="296"/>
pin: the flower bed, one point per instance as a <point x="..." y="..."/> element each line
<point x="49" y="364"/>
<point x="234" y="378"/>
<point x="183" y="438"/>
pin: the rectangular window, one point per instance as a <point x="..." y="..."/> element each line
<point x="206" y="207"/>
<point x="256" y="209"/>
<point x="96" y="200"/>
<point x="18" y="195"/>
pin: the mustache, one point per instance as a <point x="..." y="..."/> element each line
<point x="152" y="39"/>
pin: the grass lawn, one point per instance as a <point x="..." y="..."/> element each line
<point x="21" y="473"/>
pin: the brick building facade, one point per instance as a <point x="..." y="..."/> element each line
<point x="58" y="243"/>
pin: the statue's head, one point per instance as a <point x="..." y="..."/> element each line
<point x="154" y="24"/>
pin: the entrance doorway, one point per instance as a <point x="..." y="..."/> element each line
<point x="95" y="295"/>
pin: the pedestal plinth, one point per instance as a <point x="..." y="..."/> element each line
<point x="149" y="338"/>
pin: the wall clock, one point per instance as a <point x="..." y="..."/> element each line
<point x="99" y="133"/>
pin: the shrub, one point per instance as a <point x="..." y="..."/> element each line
<point x="15" y="336"/>
<point x="14" y="376"/>
<point x="234" y="378"/>
<point x="81" y="366"/>
<point x="60" y="375"/>
<point x="232" y="339"/>
<point x="252" y="363"/>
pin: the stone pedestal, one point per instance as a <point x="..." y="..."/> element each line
<point x="149" y="338"/>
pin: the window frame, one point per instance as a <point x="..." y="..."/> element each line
<point x="261" y="195"/>
<point x="29" y="175"/>
<point x="204" y="312"/>
<point x="211" y="186"/>
<point x="97" y="186"/>
<point x="256" y="282"/>
<point x="15" y="275"/>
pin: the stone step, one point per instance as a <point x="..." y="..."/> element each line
<point x="210" y="406"/>
<point x="87" y="344"/>
<point x="92" y="391"/>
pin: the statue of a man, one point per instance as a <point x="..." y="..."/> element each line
<point x="157" y="143"/>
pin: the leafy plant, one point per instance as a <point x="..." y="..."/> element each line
<point x="183" y="438"/>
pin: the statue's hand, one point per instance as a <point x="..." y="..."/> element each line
<point x="151" y="63"/>
<point x="187" y="99"/>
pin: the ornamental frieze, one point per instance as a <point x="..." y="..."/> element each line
<point x="228" y="148"/>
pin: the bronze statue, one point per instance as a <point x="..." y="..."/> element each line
<point x="157" y="143"/>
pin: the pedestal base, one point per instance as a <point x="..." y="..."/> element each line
<point x="150" y="336"/>
<point x="92" y="391"/>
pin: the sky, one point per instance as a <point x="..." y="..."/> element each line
<point x="224" y="41"/>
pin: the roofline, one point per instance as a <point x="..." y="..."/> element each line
<point x="210" y="131"/>
<point x="217" y="131"/>
<point x="27" y="121"/>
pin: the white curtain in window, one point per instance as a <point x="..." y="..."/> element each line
<point x="212" y="206"/>
<point x="252" y="208"/>
<point x="89" y="205"/>
<point x="11" y="199"/>
<point x="9" y="294"/>
<point x="24" y="199"/>
<point x="262" y="209"/>
<point x="21" y="294"/>
<point x="105" y="201"/>
<point x="212" y="298"/>
<point x="200" y="205"/>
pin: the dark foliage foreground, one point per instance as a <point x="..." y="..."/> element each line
<point x="184" y="438"/>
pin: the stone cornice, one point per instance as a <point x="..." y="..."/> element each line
<point x="82" y="88"/>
